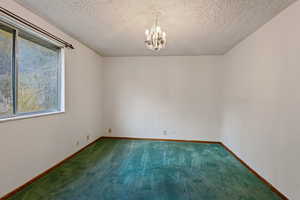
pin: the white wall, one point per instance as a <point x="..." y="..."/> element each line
<point x="261" y="118"/>
<point x="30" y="146"/>
<point x="146" y="95"/>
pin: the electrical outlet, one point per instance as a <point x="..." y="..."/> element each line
<point x="88" y="137"/>
<point x="165" y="132"/>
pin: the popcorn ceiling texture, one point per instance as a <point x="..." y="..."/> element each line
<point x="194" y="27"/>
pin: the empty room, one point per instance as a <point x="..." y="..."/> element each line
<point x="149" y="99"/>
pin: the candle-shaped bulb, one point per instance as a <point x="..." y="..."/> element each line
<point x="158" y="29"/>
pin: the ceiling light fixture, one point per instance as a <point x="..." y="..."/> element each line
<point x="155" y="37"/>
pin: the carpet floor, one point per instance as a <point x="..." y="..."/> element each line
<point x="114" y="169"/>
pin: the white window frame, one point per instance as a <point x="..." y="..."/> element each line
<point x="61" y="71"/>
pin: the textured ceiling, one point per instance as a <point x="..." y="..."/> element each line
<point x="193" y="27"/>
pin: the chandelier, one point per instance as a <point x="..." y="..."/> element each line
<point x="155" y="37"/>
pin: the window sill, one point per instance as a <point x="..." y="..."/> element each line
<point x="31" y="116"/>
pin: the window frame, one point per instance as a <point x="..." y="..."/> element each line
<point x="15" y="115"/>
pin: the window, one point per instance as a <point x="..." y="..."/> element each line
<point x="6" y="54"/>
<point x="30" y="74"/>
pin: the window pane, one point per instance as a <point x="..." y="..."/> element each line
<point x="38" y="75"/>
<point x="6" y="47"/>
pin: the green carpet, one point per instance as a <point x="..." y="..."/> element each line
<point x="114" y="169"/>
